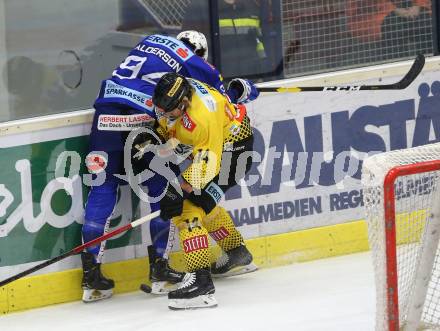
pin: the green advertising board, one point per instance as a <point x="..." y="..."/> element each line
<point x="42" y="197"/>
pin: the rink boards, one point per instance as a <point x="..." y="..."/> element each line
<point x="303" y="200"/>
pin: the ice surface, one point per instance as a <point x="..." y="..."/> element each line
<point x="331" y="294"/>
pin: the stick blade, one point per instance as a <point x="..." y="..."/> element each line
<point x="413" y="72"/>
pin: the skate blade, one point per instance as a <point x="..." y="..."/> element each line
<point x="91" y="295"/>
<point x="202" y="301"/>
<point x="161" y="288"/>
<point x="240" y="270"/>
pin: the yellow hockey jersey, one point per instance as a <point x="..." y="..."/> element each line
<point x="209" y="126"/>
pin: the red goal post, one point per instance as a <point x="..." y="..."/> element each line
<point x="402" y="204"/>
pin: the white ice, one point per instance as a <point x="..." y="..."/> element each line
<point x="330" y="294"/>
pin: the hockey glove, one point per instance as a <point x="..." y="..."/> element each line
<point x="208" y="197"/>
<point x="144" y="142"/>
<point x="242" y="90"/>
<point x="171" y="204"/>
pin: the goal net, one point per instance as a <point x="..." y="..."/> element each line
<point x="402" y="203"/>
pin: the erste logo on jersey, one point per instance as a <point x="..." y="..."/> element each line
<point x="182" y="52"/>
<point x="187" y="122"/>
<point x="199" y="86"/>
<point x="202" y="91"/>
<point x="172" y="44"/>
<point x="215" y="192"/>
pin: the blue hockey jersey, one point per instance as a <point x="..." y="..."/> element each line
<point x="132" y="83"/>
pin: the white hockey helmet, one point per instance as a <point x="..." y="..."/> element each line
<point x="196" y="41"/>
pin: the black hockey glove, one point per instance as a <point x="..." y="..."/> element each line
<point x="171" y="204"/>
<point x="207" y="198"/>
<point x="144" y="141"/>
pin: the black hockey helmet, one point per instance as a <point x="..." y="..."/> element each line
<point x="170" y="91"/>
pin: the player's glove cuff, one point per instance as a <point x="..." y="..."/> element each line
<point x="245" y="90"/>
<point x="208" y="197"/>
<point x="144" y="142"/>
<point x="171" y="204"/>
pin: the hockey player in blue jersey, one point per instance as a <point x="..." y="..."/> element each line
<point x="123" y="104"/>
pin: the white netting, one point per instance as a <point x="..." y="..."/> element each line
<point x="415" y="196"/>
<point x="168" y="13"/>
<point x="321" y="35"/>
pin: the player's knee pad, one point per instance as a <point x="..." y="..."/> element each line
<point x="222" y="229"/>
<point x="195" y="244"/>
<point x="189" y="211"/>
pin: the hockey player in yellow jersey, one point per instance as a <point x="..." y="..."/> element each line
<point x="219" y="137"/>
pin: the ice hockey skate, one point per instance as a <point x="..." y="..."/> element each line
<point x="95" y="286"/>
<point x="237" y="261"/>
<point x="195" y="291"/>
<point x="163" y="278"/>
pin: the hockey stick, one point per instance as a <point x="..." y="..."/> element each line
<point x="410" y="76"/>
<point x="80" y="248"/>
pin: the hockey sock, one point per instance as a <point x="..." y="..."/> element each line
<point x="99" y="208"/>
<point x="92" y="230"/>
<point x="195" y="244"/>
<point x="222" y="229"/>
<point x="159" y="230"/>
